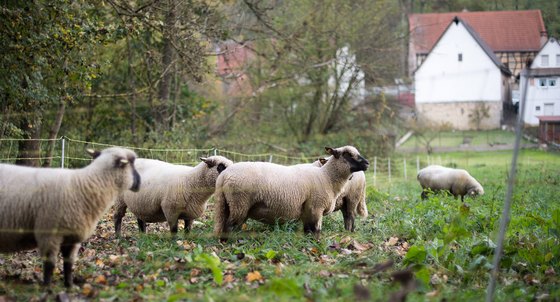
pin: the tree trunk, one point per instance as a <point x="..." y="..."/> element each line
<point x="53" y="134"/>
<point x="164" y="93"/>
<point x="133" y="91"/>
<point x="30" y="149"/>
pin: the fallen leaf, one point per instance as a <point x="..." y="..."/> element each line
<point x="325" y="274"/>
<point x="139" y="287"/>
<point x="550" y="272"/>
<point x="99" y="262"/>
<point x="101" y="280"/>
<point x="435" y="279"/>
<point x="194" y="273"/>
<point x="345" y="240"/>
<point x="228" y="279"/>
<point x="356" y="245"/>
<point x="392" y="241"/>
<point x="254" y="276"/>
<point x="431" y="294"/>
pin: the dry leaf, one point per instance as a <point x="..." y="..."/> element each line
<point x="254" y="276"/>
<point x="325" y="274"/>
<point x="87" y="289"/>
<point x="194" y="272"/>
<point x="431" y="294"/>
<point x="228" y="279"/>
<point x="550" y="272"/>
<point x="392" y="241"/>
<point x="139" y="287"/>
<point x="345" y="240"/>
<point x="435" y="279"/>
<point x="358" y="246"/>
<point x="101" y="280"/>
<point x="99" y="262"/>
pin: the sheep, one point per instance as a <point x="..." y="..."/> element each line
<point x="352" y="198"/>
<point x="457" y="181"/>
<point x="273" y="193"/>
<point x="170" y="192"/>
<point x="57" y="209"/>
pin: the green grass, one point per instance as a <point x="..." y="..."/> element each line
<point x="451" y="241"/>
<point x="455" y="139"/>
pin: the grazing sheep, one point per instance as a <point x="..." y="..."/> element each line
<point x="170" y="192"/>
<point x="352" y="198"/>
<point x="269" y="193"/>
<point x="457" y="181"/>
<point x="57" y="209"/>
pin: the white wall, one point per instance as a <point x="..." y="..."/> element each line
<point x="537" y="95"/>
<point x="443" y="78"/>
<point x="551" y="49"/>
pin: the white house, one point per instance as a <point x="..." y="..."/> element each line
<point x="543" y="94"/>
<point x="460" y="74"/>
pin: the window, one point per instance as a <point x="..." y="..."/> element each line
<point x="538" y="108"/>
<point x="544" y="60"/>
<point x="552" y="83"/>
<point x="557" y="60"/>
<point x="460" y="57"/>
<point x="542" y="82"/>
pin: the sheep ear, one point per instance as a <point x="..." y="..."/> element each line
<point x="323" y="161"/>
<point x="94" y="153"/>
<point x="333" y="152"/>
<point x="209" y="162"/>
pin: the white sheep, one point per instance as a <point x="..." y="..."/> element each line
<point x="57" y="209"/>
<point x="457" y="181"/>
<point x="170" y="192"/>
<point x="352" y="198"/>
<point x="273" y="193"/>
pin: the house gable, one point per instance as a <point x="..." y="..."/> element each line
<point x="460" y="67"/>
<point x="548" y="56"/>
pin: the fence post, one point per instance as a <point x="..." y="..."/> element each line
<point x="439" y="160"/>
<point x="214" y="151"/>
<point x="62" y="157"/>
<point x="270" y="158"/>
<point x="404" y="163"/>
<point x="374" y="170"/>
<point x="389" y="161"/>
<point x="428" y="160"/>
<point x="417" y="165"/>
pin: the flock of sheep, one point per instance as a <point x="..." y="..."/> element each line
<point x="57" y="209"/>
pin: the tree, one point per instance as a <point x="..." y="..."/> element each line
<point x="43" y="66"/>
<point x="311" y="62"/>
<point x="426" y="130"/>
<point x="478" y="113"/>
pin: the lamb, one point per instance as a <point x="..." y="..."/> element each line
<point x="57" y="209"/>
<point x="273" y="193"/>
<point x="170" y="192"/>
<point x="457" y="181"/>
<point x="352" y="198"/>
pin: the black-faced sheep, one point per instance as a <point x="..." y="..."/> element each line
<point x="457" y="181"/>
<point x="170" y="192"/>
<point x="352" y="199"/>
<point x="269" y="193"/>
<point x="57" y="209"/>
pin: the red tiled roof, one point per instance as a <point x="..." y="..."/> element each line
<point x="549" y="118"/>
<point x="502" y="30"/>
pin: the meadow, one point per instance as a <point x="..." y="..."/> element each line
<point x="430" y="250"/>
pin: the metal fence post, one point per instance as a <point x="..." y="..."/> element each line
<point x="428" y="160"/>
<point x="404" y="164"/>
<point x="374" y="170"/>
<point x="389" y="161"/>
<point x="270" y="158"/>
<point x="62" y="156"/>
<point x="214" y="151"/>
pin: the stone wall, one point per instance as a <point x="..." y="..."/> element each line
<point x="457" y="114"/>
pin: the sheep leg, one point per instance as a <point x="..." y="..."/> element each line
<point x="312" y="225"/>
<point x="188" y="225"/>
<point x="68" y="258"/>
<point x="49" y="260"/>
<point x="141" y="225"/>
<point x="120" y="212"/>
<point x="349" y="216"/>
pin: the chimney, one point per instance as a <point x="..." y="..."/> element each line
<point x="543" y="38"/>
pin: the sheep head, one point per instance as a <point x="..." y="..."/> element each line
<point x="351" y="155"/>
<point x="122" y="162"/>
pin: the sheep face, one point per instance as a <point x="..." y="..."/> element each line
<point x="121" y="162"/>
<point x="475" y="191"/>
<point x="351" y="156"/>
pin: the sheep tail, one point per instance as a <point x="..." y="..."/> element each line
<point x="221" y="212"/>
<point x="362" y="209"/>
